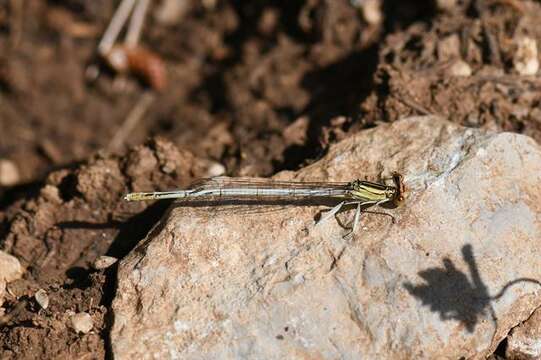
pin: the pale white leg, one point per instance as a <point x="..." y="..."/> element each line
<point x="354" y="223"/>
<point x="331" y="213"/>
<point x="356" y="218"/>
<point x="382" y="202"/>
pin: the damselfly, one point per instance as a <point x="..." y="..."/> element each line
<point x="360" y="193"/>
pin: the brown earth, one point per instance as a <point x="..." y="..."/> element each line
<point x="255" y="86"/>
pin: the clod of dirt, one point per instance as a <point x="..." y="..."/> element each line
<point x="418" y="68"/>
<point x="429" y="276"/>
<point x="78" y="217"/>
<point x="78" y="213"/>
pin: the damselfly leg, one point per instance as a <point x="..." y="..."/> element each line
<point x="354" y="224"/>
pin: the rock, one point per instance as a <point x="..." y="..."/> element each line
<point x="457" y="270"/>
<point x="9" y="173"/>
<point x="103" y="262"/>
<point x="212" y="168"/>
<point x="10" y="267"/>
<point x="10" y="270"/>
<point x="460" y="68"/>
<point x="524" y="342"/>
<point x="526" y="59"/>
<point x="42" y="298"/>
<point x="81" y="322"/>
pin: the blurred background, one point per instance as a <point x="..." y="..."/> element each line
<point x="257" y="86"/>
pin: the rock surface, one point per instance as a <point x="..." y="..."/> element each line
<point x="524" y="342"/>
<point x="450" y="278"/>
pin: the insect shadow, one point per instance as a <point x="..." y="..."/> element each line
<point x="450" y="293"/>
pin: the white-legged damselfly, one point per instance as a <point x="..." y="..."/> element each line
<point x="360" y="193"/>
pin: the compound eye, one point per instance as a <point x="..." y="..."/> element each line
<point x="398" y="200"/>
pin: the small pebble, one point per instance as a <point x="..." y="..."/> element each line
<point x="526" y="59"/>
<point x="81" y="322"/>
<point x="215" y="169"/>
<point x="10" y="267"/>
<point x="9" y="173"/>
<point x="103" y="262"/>
<point x="460" y="68"/>
<point x="42" y="298"/>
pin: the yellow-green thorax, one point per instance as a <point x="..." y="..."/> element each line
<point x="366" y="191"/>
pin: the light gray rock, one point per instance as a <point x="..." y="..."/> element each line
<point x="450" y="278"/>
<point x="524" y="342"/>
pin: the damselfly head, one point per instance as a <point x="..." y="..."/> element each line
<point x="400" y="189"/>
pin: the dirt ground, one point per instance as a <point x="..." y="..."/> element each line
<point x="252" y="87"/>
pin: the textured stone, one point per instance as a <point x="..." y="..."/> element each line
<point x="524" y="342"/>
<point x="450" y="278"/>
